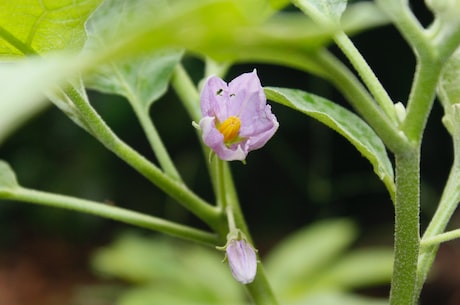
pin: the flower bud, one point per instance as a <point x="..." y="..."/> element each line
<point x="242" y="260"/>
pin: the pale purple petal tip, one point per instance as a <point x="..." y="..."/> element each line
<point x="242" y="261"/>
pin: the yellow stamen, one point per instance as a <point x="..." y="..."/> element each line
<point x="230" y="128"/>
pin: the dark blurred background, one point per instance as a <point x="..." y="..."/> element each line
<point x="305" y="173"/>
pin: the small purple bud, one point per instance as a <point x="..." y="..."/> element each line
<point x="242" y="261"/>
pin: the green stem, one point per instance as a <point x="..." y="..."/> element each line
<point x="233" y="201"/>
<point x="427" y="243"/>
<point x="447" y="206"/>
<point x="112" y="212"/>
<point x="142" y="113"/>
<point x="190" y="98"/>
<point x="156" y="143"/>
<point x="366" y="73"/>
<point x="421" y="98"/>
<point x="360" y="99"/>
<point x="259" y="290"/>
<point x="221" y="193"/>
<point x="407" y="24"/>
<point x="449" y="44"/>
<point x="178" y="191"/>
<point x="407" y="236"/>
<point x="215" y="68"/>
<point x="187" y="92"/>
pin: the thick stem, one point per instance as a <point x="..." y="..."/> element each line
<point x="447" y="206"/>
<point x="407" y="236"/>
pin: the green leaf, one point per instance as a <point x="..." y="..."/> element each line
<point x="448" y="88"/>
<point x="143" y="79"/>
<point x="447" y="10"/>
<point x="361" y="16"/>
<point x="346" y="123"/>
<point x="359" y="269"/>
<point x="218" y="29"/>
<point x="339" y="298"/>
<point x="13" y="116"/>
<point x="23" y="85"/>
<point x="215" y="28"/>
<point x="323" y="11"/>
<point x="36" y="27"/>
<point x="302" y="255"/>
<point x="7" y="178"/>
<point x="159" y="268"/>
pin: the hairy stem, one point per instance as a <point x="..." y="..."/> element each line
<point x="366" y="73"/>
<point x="360" y="99"/>
<point x="446" y="208"/>
<point x="407" y="236"/>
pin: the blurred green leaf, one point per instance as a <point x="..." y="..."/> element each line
<point x="361" y="16"/>
<point x="448" y="87"/>
<point x="23" y="85"/>
<point x="36" y="27"/>
<point x="301" y="255"/>
<point x="445" y="10"/>
<point x="143" y="79"/>
<point x="339" y="298"/>
<point x="162" y="268"/>
<point x="215" y="28"/>
<point x="14" y="115"/>
<point x="322" y="10"/>
<point x="358" y="269"/>
<point x="309" y="267"/>
<point x="223" y="30"/>
<point x="8" y="179"/>
<point x="346" y="123"/>
<point x="136" y="259"/>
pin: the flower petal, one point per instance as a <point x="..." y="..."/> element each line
<point x="247" y="97"/>
<point x="244" y="99"/>
<point x="214" y="97"/>
<point x="261" y="130"/>
<point x="215" y="140"/>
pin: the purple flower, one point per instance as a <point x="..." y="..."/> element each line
<point x="236" y="117"/>
<point x="242" y="260"/>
